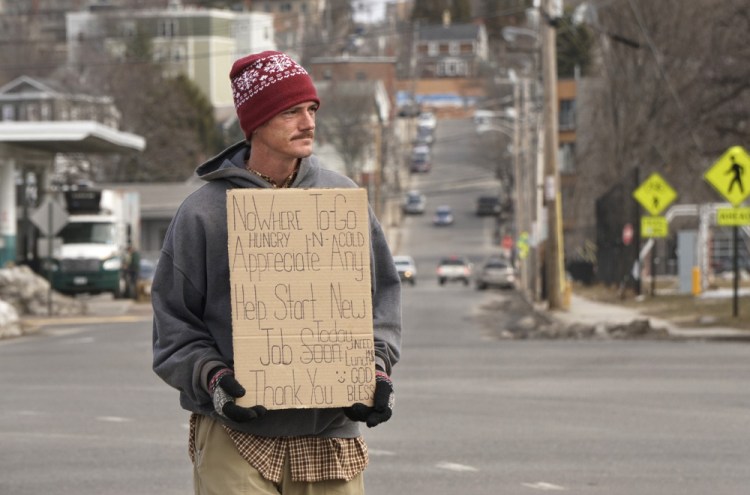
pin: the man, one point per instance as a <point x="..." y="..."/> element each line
<point x="248" y="449"/>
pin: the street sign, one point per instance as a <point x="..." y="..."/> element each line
<point x="50" y="217"/>
<point x="652" y="226"/>
<point x="730" y="175"/>
<point x="655" y="194"/>
<point x="733" y="216"/>
<point x="523" y="245"/>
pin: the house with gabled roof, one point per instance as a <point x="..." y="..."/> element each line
<point x="450" y="50"/>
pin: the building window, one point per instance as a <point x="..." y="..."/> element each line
<point x="9" y="112"/>
<point x="454" y="48"/>
<point x="567" y="115"/>
<point x="361" y="76"/>
<point x="451" y="68"/>
<point x="566" y="158"/>
<point x="327" y="74"/>
<point x="168" y="28"/>
<point x="128" y="30"/>
<point x="32" y="112"/>
<point x="178" y="54"/>
<point x="45" y="111"/>
<point x="433" y="49"/>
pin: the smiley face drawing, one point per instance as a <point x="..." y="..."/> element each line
<point x="341" y="376"/>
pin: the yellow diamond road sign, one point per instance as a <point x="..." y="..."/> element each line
<point x="655" y="194"/>
<point x="730" y="175"/>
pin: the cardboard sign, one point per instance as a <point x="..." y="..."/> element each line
<point x="299" y="262"/>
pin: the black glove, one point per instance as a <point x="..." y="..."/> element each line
<point x="382" y="406"/>
<point x="224" y="388"/>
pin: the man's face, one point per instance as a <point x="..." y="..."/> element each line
<point x="289" y="133"/>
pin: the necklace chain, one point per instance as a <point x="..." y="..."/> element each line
<point x="287" y="182"/>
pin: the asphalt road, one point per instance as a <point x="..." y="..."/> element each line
<point x="83" y="414"/>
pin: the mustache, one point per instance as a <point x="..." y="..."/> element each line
<point x="304" y="135"/>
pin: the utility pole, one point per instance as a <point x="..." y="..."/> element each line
<point x="554" y="256"/>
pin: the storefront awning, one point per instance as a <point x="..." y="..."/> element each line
<point x="69" y="137"/>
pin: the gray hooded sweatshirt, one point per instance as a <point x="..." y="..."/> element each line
<point x="191" y="298"/>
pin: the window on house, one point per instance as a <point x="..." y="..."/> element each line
<point x="9" y="112"/>
<point x="452" y="68"/>
<point x="45" y="111"/>
<point x="32" y="112"/>
<point x="327" y="74"/>
<point x="454" y="48"/>
<point x="361" y="76"/>
<point x="566" y="158"/>
<point x="178" y="54"/>
<point x="168" y="28"/>
<point x="127" y="30"/>
<point x="567" y="115"/>
<point x="432" y="49"/>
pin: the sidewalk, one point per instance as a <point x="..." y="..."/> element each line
<point x="583" y="310"/>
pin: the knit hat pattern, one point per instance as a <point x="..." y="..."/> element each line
<point x="265" y="84"/>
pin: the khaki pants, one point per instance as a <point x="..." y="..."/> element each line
<point x="220" y="470"/>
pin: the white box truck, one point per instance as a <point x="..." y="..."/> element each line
<point x="100" y="243"/>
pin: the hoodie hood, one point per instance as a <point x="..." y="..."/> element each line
<point x="229" y="165"/>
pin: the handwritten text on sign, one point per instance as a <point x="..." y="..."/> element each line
<point x="299" y="262"/>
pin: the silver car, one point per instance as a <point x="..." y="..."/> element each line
<point x="414" y="203"/>
<point x="496" y="272"/>
<point x="407" y="269"/>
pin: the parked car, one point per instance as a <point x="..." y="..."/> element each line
<point x="488" y="205"/>
<point x="414" y="203"/>
<point x="425" y="136"/>
<point x="427" y="119"/>
<point x="443" y="216"/>
<point x="409" y="109"/>
<point x="407" y="269"/>
<point x="420" y="159"/>
<point x="454" y="268"/>
<point x="146" y="270"/>
<point x="496" y="272"/>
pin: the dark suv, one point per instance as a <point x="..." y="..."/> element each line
<point x="488" y="205"/>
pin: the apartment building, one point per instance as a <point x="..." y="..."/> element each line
<point x="200" y="43"/>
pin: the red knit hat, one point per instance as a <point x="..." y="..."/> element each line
<point x="265" y="84"/>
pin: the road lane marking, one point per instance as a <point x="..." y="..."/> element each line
<point x="377" y="452"/>
<point x="113" y="419"/>
<point x="452" y="466"/>
<point x="543" y="485"/>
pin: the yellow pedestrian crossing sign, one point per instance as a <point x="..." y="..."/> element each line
<point x="655" y="194"/>
<point x="730" y="175"/>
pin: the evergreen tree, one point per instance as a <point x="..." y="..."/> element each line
<point x="573" y="48"/>
<point x="429" y="11"/>
<point x="461" y="12"/>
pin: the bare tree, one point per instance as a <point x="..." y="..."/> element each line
<point x="345" y="121"/>
<point x="671" y="99"/>
<point x="170" y="112"/>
